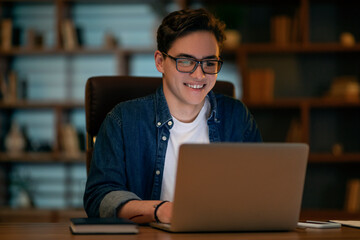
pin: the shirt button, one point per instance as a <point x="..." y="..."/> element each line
<point x="164" y="138"/>
<point x="159" y="123"/>
<point x="157" y="172"/>
<point x="170" y="123"/>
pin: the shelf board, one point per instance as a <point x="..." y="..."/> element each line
<point x="42" y="157"/>
<point x="261" y="48"/>
<point x="308" y="102"/>
<point x="328" y="214"/>
<point x="30" y="104"/>
<point x="276" y="103"/>
<point x="330" y="158"/>
<point x="8" y="214"/>
<point x="252" y="48"/>
<point x="79" y="51"/>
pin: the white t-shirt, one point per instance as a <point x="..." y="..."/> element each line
<point x="194" y="132"/>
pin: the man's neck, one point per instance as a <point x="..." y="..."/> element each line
<point x="184" y="112"/>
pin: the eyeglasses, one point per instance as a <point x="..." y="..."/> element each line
<point x="189" y="65"/>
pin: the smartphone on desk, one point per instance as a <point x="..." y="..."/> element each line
<point x="318" y="224"/>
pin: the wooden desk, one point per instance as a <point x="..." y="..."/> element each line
<point x="60" y="231"/>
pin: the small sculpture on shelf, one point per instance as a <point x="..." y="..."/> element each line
<point x="69" y="35"/>
<point x="233" y="38"/>
<point x="347" y="39"/>
<point x="15" y="141"/>
<point x="34" y="40"/>
<point x="337" y="149"/>
<point x="70" y="141"/>
<point x="345" y="87"/>
<point x="110" y="41"/>
<point x="22" y="190"/>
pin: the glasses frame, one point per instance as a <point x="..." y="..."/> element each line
<point x="197" y="63"/>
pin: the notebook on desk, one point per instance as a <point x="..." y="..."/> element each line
<point x="238" y="187"/>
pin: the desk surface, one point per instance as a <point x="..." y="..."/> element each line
<point x="54" y="231"/>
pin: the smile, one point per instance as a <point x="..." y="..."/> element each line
<point x="195" y="86"/>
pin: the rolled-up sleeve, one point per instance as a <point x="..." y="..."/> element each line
<point x="113" y="201"/>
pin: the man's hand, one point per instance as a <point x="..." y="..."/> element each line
<point x="164" y="212"/>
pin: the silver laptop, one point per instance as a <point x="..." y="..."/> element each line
<point x="238" y="187"/>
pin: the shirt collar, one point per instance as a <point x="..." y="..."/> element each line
<point x="162" y="110"/>
<point x="213" y="104"/>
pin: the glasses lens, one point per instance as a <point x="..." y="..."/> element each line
<point x="185" y="64"/>
<point x="188" y="65"/>
<point x="211" y="66"/>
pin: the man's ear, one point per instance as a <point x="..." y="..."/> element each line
<point x="159" y="61"/>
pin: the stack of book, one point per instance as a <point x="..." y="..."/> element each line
<point x="261" y="85"/>
<point x="281" y="29"/>
<point x="286" y="29"/>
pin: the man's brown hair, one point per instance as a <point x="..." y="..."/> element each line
<point x="180" y="23"/>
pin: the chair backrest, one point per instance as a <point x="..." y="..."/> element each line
<point x="102" y="93"/>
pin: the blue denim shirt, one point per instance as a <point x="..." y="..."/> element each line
<point x="129" y="154"/>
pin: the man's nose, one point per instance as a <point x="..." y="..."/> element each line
<point x="198" y="73"/>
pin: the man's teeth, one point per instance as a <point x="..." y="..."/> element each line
<point x="195" y="86"/>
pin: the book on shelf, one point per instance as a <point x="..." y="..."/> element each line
<point x="8" y="91"/>
<point x="3" y="88"/>
<point x="102" y="226"/>
<point x="294" y="133"/>
<point x="352" y="201"/>
<point x="281" y="29"/>
<point x="6" y="34"/>
<point x="69" y="35"/>
<point x="295" y="34"/>
<point x="12" y="88"/>
<point x="261" y="85"/>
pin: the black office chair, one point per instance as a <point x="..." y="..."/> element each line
<point x="102" y="93"/>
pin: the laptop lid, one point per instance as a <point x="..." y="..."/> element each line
<point x="239" y="187"/>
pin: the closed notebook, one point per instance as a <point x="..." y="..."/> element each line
<point x="102" y="226"/>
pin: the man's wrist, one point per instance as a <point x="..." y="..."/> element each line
<point x="157" y="206"/>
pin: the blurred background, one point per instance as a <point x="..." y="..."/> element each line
<point x="294" y="63"/>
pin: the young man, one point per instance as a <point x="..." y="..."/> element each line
<point x="134" y="162"/>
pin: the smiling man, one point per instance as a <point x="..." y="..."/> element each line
<point x="134" y="162"/>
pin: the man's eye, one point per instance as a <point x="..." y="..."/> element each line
<point x="210" y="63"/>
<point x="186" y="62"/>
